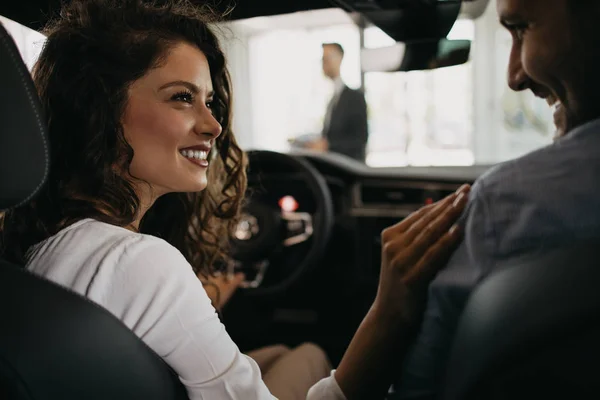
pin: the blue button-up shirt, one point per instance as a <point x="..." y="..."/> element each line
<point x="548" y="197"/>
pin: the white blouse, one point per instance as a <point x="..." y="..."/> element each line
<point x="149" y="285"/>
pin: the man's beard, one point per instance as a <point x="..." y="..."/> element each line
<point x="560" y="123"/>
<point x="568" y="119"/>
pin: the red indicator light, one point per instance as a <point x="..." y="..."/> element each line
<point x="288" y="204"/>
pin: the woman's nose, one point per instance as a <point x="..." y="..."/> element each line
<point x="209" y="124"/>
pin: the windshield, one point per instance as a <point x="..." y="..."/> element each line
<point x="460" y="115"/>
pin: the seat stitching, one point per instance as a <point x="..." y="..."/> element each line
<point x="19" y="65"/>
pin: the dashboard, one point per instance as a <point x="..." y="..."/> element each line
<point x="366" y="201"/>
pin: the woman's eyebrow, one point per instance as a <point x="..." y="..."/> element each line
<point x="193" y="88"/>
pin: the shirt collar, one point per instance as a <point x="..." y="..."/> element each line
<point x="338" y="85"/>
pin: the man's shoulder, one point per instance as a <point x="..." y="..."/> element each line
<point x="547" y="196"/>
<point x="537" y="178"/>
<point x="554" y="165"/>
<point x="572" y="155"/>
<point x="505" y="175"/>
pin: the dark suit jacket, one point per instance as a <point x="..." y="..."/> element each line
<point x="348" y="132"/>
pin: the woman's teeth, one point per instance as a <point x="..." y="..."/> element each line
<point x="196" y="154"/>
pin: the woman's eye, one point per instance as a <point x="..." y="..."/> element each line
<point x="186" y="97"/>
<point x="209" y="104"/>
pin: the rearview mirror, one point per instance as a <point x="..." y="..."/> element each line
<point x="416" y="56"/>
<point x="407" y="20"/>
<point x="411" y="20"/>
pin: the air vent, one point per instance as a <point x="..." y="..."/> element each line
<point x="390" y="196"/>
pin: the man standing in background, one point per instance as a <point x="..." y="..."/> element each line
<point x="345" y="129"/>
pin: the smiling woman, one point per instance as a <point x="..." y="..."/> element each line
<point x="145" y="188"/>
<point x="99" y="114"/>
<point x="170" y="124"/>
<point x="146" y="184"/>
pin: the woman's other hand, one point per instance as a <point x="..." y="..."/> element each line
<point x="220" y="287"/>
<point x="413" y="251"/>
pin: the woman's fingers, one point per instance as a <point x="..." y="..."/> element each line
<point x="425" y="225"/>
<point x="438" y="225"/>
<point x="421" y="217"/>
<point x="414" y="250"/>
<point x="391" y="232"/>
<point x="428" y="239"/>
<point x="434" y="259"/>
<point x="432" y="224"/>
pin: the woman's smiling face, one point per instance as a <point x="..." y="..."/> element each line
<point x="169" y="124"/>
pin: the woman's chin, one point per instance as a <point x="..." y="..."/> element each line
<point x="198" y="187"/>
<point x="187" y="186"/>
<point x="197" y="183"/>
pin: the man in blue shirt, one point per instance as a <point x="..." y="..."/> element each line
<point x="546" y="198"/>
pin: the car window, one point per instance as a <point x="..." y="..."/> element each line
<point x="461" y="115"/>
<point x="420" y="117"/>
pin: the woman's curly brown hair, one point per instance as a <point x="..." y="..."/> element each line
<point x="94" y="51"/>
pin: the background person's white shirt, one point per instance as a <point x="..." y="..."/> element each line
<point x="338" y="88"/>
<point x="148" y="284"/>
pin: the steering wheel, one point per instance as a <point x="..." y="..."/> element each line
<point x="275" y="245"/>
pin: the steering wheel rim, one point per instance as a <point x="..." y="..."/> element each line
<point x="322" y="218"/>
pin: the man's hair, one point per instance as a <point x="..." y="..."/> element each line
<point x="337" y="46"/>
<point x="94" y="51"/>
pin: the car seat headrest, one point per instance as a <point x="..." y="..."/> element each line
<point x="24" y="148"/>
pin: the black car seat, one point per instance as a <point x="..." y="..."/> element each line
<point x="531" y="330"/>
<point x="55" y="344"/>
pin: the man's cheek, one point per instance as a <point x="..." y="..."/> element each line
<point x="537" y="63"/>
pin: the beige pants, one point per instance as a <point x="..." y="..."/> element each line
<point x="289" y="373"/>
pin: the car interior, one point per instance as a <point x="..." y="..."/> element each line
<point x="309" y="244"/>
